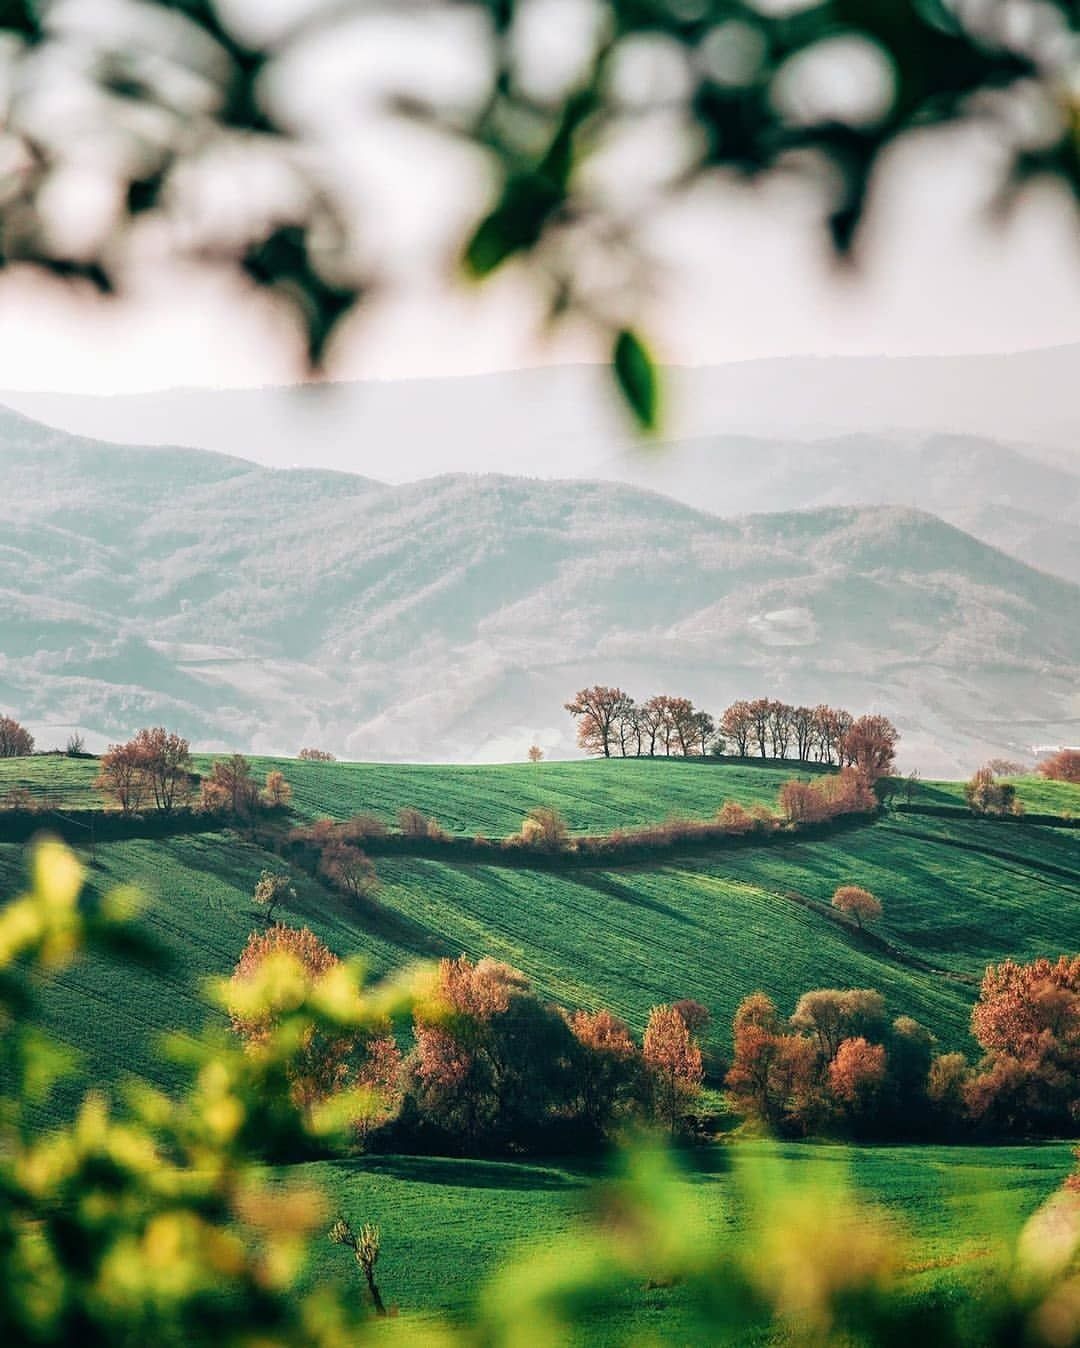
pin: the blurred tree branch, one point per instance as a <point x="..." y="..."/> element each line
<point x="133" y="106"/>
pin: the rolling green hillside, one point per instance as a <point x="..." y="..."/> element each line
<point x="593" y="795"/>
<point x="957" y="892"/>
<point x="447" y="1224"/>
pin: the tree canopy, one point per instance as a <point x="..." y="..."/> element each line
<point x="132" y="114"/>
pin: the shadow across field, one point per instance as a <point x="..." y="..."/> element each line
<point x="474" y="1174"/>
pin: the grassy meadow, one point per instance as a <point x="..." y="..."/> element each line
<point x="957" y="893"/>
<point x="449" y="1223"/>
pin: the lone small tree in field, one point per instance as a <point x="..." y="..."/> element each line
<point x="987" y="796"/>
<point x="348" y="868"/>
<point x="15" y="740"/>
<point x="273" y="887"/>
<point x="277" y="793"/>
<point x="365" y="1246"/>
<point x="535" y="753"/>
<point x="859" y="903"/>
<point x="675" y="1059"/>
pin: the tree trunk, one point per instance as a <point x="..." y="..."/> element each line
<point x="376" y="1299"/>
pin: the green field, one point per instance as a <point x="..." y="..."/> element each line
<point x="957" y="893"/>
<point x="447" y="1224"/>
<point x="1037" y="795"/>
<point x="594" y="795"/>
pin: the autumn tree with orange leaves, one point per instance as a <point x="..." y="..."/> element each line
<point x="492" y="1062"/>
<point x="858" y="903"/>
<point x="598" y="711"/>
<point x="322" y="1065"/>
<point x="674" y="1058"/>
<point x="609" y="1072"/>
<point x="1064" y="766"/>
<point x="152" y="767"/>
<point x="857" y="1076"/>
<point x="773" y="1071"/>
<point x="870" y="746"/>
<point x="15" y="740"/>
<point x="122" y="775"/>
<point x="1027" y="1020"/>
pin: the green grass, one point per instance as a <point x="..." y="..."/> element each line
<point x="447" y="1224"/>
<point x="1036" y="794"/>
<point x="957" y="893"/>
<point x="594" y="796"/>
<point x="54" y="781"/>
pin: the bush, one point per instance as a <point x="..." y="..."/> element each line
<point x="1064" y="766"/>
<point x="986" y="795"/>
<point x="545" y="829"/>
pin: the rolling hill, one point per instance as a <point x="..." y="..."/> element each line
<point x="449" y="619"/>
<point x="986" y="442"/>
<point x="958" y="893"/>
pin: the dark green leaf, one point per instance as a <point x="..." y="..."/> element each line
<point x="637" y="378"/>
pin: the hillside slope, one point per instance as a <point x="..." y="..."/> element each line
<point x="957" y="894"/>
<point x="1015" y="500"/>
<point x="450" y="619"/>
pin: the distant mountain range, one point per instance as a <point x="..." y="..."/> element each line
<point x="564" y="421"/>
<point x="450" y="618"/>
<point x="990" y="443"/>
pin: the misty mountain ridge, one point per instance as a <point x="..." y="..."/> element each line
<point x="986" y="442"/>
<point x="450" y="618"/>
<point x="566" y="421"/>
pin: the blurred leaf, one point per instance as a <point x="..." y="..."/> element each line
<point x="517" y="222"/>
<point x="637" y="378"/>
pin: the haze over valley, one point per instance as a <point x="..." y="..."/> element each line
<point x="449" y="618"/>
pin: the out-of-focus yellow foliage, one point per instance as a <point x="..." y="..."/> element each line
<point x="156" y="1224"/>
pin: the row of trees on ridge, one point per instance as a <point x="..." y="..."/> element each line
<point x="611" y="723"/>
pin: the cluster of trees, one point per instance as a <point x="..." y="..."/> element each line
<point x="231" y="789"/>
<point x="610" y="722"/>
<point x="155" y="1218"/>
<point x="838" y="1061"/>
<point x="768" y="728"/>
<point x="987" y="794"/>
<point x="154" y="770"/>
<point x="15" y="740"/>
<point x="846" y="792"/>
<point x="491" y="1064"/>
<point x="1064" y="766"/>
<point x="316" y="756"/>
